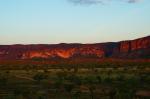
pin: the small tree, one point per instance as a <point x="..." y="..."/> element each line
<point x="91" y="89"/>
<point x="99" y="79"/>
<point x="68" y="87"/>
<point x="40" y="76"/>
<point x="77" y="94"/>
<point x="3" y="80"/>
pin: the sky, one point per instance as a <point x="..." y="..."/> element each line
<point x="72" y="21"/>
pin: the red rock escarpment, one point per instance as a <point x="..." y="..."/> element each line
<point x="138" y="48"/>
<point x="142" y="43"/>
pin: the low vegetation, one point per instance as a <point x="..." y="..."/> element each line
<point x="69" y="80"/>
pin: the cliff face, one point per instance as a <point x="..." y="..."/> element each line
<point x="138" y="48"/>
<point x="64" y="53"/>
<point x="142" y="43"/>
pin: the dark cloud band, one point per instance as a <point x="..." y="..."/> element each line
<point x="86" y="1"/>
<point x="98" y="1"/>
<point x="133" y="1"/>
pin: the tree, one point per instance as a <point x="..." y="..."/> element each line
<point x="68" y="87"/>
<point x="99" y="79"/>
<point x="91" y="89"/>
<point x="3" y="80"/>
<point x="112" y="94"/>
<point x="40" y="76"/>
<point x="77" y="94"/>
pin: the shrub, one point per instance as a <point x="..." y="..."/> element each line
<point x="40" y="76"/>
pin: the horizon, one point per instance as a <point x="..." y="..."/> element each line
<point x="76" y="42"/>
<point x="73" y="21"/>
<point x="75" y="49"/>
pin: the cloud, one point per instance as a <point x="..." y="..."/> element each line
<point x="133" y="1"/>
<point x="89" y="2"/>
<point x="86" y="1"/>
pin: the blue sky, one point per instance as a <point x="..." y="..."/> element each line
<point x="60" y="21"/>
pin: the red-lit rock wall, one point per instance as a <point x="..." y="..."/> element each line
<point x="133" y="48"/>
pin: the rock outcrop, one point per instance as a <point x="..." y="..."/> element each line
<point x="138" y="48"/>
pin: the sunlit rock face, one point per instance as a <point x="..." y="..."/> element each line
<point x="49" y="53"/>
<point x="125" y="46"/>
<point x="91" y="51"/>
<point x="65" y="53"/>
<point x="142" y="43"/>
<point x="138" y="48"/>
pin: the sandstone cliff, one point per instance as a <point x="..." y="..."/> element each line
<point x="138" y="48"/>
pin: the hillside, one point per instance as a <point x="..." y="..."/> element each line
<point x="138" y="48"/>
